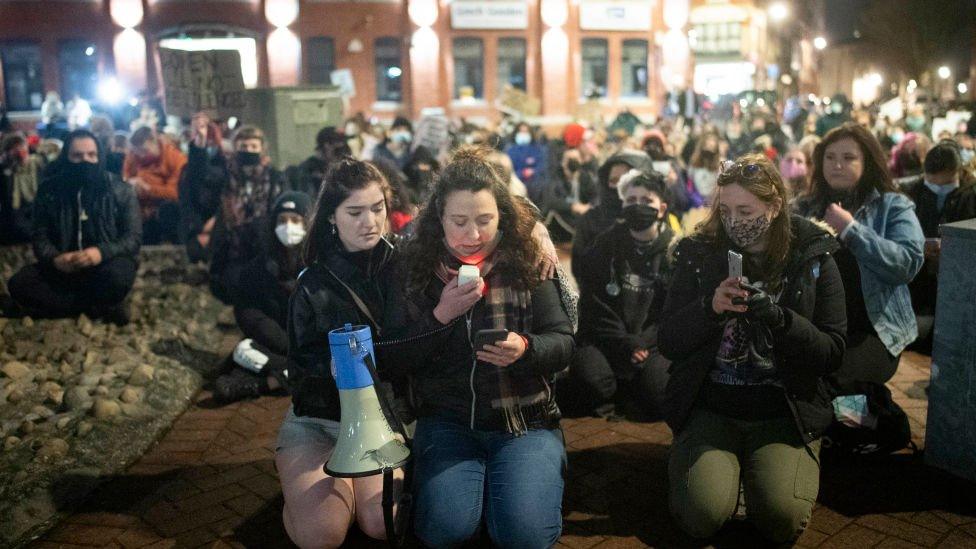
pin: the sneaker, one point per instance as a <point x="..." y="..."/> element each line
<point x="249" y="355"/>
<point x="238" y="385"/>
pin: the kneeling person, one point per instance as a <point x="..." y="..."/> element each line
<point x="623" y="280"/>
<point x="86" y="238"/>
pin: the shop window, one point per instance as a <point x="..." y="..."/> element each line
<point x="79" y="69"/>
<point x="594" y="73"/>
<point x="388" y="69"/>
<point x="717" y="38"/>
<point x="511" y="63"/>
<point x="469" y="68"/>
<point x="319" y="53"/>
<point x="22" y="83"/>
<point x="634" y="69"/>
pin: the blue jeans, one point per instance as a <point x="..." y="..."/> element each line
<point x="514" y="483"/>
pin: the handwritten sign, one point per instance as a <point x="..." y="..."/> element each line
<point x="197" y="81"/>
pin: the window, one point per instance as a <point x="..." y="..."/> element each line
<point x="634" y="69"/>
<point x="511" y="63"/>
<point x="717" y="38"/>
<point x="319" y="60"/>
<point x="22" y="83"/>
<point x="594" y="73"/>
<point x="469" y="68"/>
<point x="388" y="69"/>
<point x="79" y="69"/>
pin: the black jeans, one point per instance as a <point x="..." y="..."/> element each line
<point x="595" y="373"/>
<point x="42" y="291"/>
<point x="865" y="360"/>
<point x="162" y="226"/>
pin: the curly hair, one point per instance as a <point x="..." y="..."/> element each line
<point x="471" y="170"/>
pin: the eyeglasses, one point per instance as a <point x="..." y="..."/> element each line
<point x="731" y="168"/>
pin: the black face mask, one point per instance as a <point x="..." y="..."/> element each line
<point x="640" y="217"/>
<point x="248" y="158"/>
<point x="573" y="165"/>
<point x="82" y="173"/>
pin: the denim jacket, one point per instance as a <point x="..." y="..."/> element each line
<point x="887" y="240"/>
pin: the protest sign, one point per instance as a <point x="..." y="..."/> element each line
<point x="209" y="81"/>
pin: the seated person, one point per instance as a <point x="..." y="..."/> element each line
<point x="622" y="287"/>
<point x="153" y="166"/>
<point x="261" y="309"/>
<point x="249" y="186"/>
<point x="941" y="196"/>
<point x="19" y="175"/>
<point x="570" y="191"/>
<point x="86" y="238"/>
<point x="200" y="185"/>
<point x="307" y="177"/>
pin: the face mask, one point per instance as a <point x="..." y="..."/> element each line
<point x="402" y="137"/>
<point x="82" y="173"/>
<point x="793" y="170"/>
<point x="245" y="158"/>
<point x="573" y="165"/>
<point x="745" y="232"/>
<point x="290" y="234"/>
<point x="966" y="155"/>
<point x="522" y="138"/>
<point x="212" y="151"/>
<point x="639" y="217"/>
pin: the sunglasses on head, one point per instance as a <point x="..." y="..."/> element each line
<point x="731" y="168"/>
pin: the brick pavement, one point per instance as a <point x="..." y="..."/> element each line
<point x="211" y="482"/>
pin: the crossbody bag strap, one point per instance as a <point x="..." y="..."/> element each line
<point x="359" y="303"/>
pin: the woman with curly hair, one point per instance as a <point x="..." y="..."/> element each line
<point x="747" y="398"/>
<point x="487" y="444"/>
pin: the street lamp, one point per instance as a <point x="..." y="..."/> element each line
<point x="944" y="72"/>
<point x="963" y="88"/>
<point x="778" y="11"/>
<point x="820" y="42"/>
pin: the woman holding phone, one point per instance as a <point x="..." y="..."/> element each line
<point x="487" y="444"/>
<point x="746" y="399"/>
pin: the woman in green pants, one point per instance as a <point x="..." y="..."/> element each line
<point x="746" y="399"/>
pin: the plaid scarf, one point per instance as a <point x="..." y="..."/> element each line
<point x="510" y="309"/>
<point x="248" y="193"/>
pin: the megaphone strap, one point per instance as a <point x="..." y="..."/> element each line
<point x="359" y="303"/>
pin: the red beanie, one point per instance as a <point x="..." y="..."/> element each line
<point x="573" y="135"/>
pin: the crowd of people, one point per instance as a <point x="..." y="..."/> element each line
<point x="752" y="281"/>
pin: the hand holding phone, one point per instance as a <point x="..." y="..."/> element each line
<point x="489" y="337"/>
<point x="735" y="265"/>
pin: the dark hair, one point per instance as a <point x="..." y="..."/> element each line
<point x="249" y="132"/>
<point x="343" y="177"/>
<point x="470" y="170"/>
<point x="12" y="141"/>
<point x="142" y="135"/>
<point x="944" y="157"/>
<point x="650" y="180"/>
<point x="875" y="176"/>
<point x="76" y="135"/>
<point x="757" y="174"/>
<point x="402" y="122"/>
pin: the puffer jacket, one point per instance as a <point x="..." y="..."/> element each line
<point x="104" y="215"/>
<point x="808" y="347"/>
<point x="447" y="380"/>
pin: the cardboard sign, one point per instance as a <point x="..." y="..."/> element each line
<point x="514" y="99"/>
<point x="197" y="81"/>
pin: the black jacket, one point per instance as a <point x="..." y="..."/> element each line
<point x="321" y="304"/>
<point x="809" y="346"/>
<point x="199" y="193"/>
<point x="440" y="364"/>
<point x="959" y="205"/>
<point x="307" y="177"/>
<point x="261" y="309"/>
<point x="602" y="216"/>
<point x="614" y="321"/>
<point x="104" y="215"/>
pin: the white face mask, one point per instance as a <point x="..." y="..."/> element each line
<point x="290" y="234"/>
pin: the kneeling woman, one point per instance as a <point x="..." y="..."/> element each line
<point x="487" y="445"/>
<point x="746" y="399"/>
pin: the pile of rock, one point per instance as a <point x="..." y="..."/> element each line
<point x="82" y="395"/>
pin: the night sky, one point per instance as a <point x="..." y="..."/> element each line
<point x="841" y="18"/>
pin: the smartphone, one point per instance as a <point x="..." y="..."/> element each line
<point x="468" y="273"/>
<point x="735" y="264"/>
<point x="489" y="337"/>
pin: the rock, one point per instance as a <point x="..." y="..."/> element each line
<point x="101" y="390"/>
<point x="92" y="361"/>
<point x="10" y="443"/>
<point x="106" y="378"/>
<point x="132" y="410"/>
<point x="15" y="396"/>
<point x="27" y="322"/>
<point x="17" y="370"/>
<point x="84" y="427"/>
<point x="130" y="395"/>
<point x="63" y="422"/>
<point x="27" y="427"/>
<point x="3" y="323"/>
<point x="54" y="448"/>
<point x="88" y="380"/>
<point x="118" y="355"/>
<point x="142" y="375"/>
<point x="66" y="369"/>
<point x="42" y="411"/>
<point x="53" y="393"/>
<point x="84" y="325"/>
<point x="106" y="409"/>
<point x="78" y="399"/>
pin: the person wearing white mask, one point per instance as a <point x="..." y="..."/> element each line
<point x="261" y="307"/>
<point x="397" y="147"/>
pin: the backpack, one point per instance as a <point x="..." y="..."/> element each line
<point x="890" y="434"/>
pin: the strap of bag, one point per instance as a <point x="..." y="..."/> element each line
<point x="359" y="303"/>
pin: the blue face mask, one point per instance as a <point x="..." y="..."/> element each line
<point x="966" y="155"/>
<point x="523" y="138"/>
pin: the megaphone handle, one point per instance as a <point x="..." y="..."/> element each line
<point x="395" y="535"/>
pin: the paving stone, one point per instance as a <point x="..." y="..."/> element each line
<point x="137" y="537"/>
<point x="854" y="535"/>
<point x="84" y="534"/>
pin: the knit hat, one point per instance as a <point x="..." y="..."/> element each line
<point x="329" y="135"/>
<point x="573" y="135"/>
<point x="291" y="201"/>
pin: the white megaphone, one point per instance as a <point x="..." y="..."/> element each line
<point x="366" y="444"/>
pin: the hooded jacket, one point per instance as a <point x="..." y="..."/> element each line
<point x="68" y="217"/>
<point x="808" y="347"/>
<point x="602" y="216"/>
